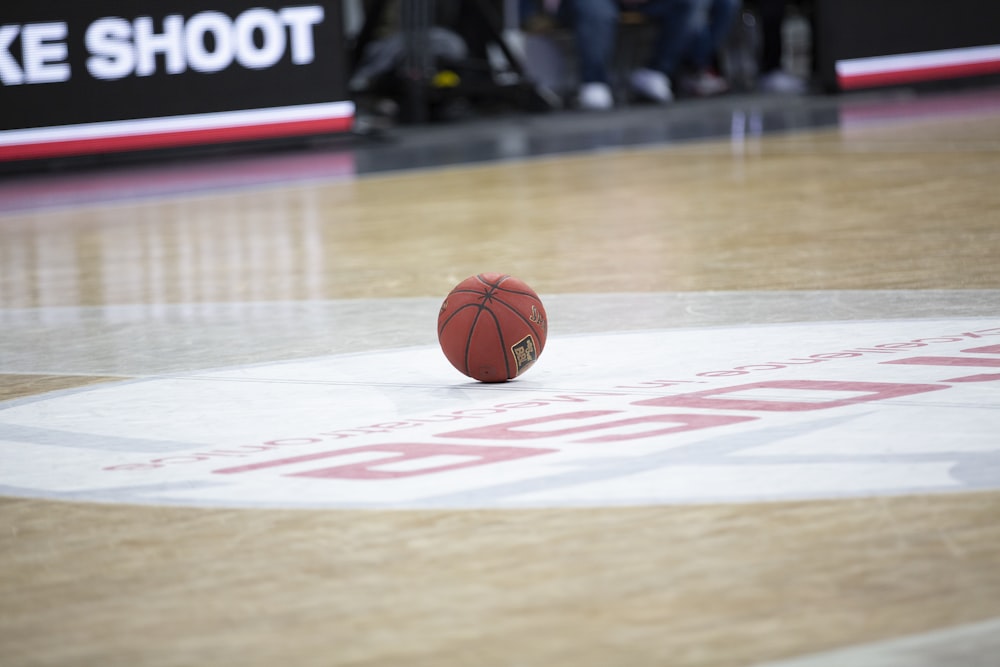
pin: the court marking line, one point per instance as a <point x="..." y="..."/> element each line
<point x="970" y="645"/>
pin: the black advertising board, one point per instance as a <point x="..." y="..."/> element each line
<point x="116" y="75"/>
<point x="865" y="44"/>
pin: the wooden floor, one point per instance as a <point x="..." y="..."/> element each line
<point x="892" y="204"/>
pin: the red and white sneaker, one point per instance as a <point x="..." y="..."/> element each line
<point x="704" y="84"/>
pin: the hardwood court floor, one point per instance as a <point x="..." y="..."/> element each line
<point x="878" y="202"/>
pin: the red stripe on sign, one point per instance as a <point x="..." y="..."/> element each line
<point x="114" y="144"/>
<point x="895" y="77"/>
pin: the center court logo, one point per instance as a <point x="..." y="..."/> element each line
<point x="692" y="415"/>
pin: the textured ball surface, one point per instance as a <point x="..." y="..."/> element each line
<point x="492" y="327"/>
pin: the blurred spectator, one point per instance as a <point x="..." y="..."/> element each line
<point x="712" y="22"/>
<point x="773" y="77"/>
<point x="595" y="26"/>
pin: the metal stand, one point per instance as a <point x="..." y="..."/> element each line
<point x="416" y="18"/>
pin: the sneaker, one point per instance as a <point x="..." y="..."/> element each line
<point x="704" y="84"/>
<point x="652" y="85"/>
<point x="779" y="81"/>
<point x="596" y="96"/>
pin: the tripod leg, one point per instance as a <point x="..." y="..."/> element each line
<point x="373" y="15"/>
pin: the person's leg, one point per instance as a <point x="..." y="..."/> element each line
<point x="772" y="13"/>
<point x="673" y="33"/>
<point x="673" y="20"/>
<point x="719" y="21"/>
<point x="713" y="22"/>
<point x="773" y="78"/>
<point x="594" y="24"/>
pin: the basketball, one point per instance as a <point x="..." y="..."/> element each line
<point x="492" y="327"/>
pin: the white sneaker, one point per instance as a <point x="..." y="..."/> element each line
<point x="595" y="96"/>
<point x="652" y="85"/>
<point x="779" y="81"/>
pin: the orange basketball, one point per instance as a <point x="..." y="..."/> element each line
<point x="492" y="327"/>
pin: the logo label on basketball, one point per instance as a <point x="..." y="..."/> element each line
<point x="525" y="352"/>
<point x="537" y="318"/>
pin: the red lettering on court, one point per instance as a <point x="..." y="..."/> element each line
<point x="870" y="391"/>
<point x="986" y="349"/>
<point x="517" y="430"/>
<point x="399" y="452"/>
<point x="960" y="361"/>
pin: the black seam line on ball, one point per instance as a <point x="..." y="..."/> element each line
<point x="520" y="315"/>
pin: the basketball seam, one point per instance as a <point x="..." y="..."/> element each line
<point x="480" y="309"/>
<point x="470" y="291"/>
<point x="448" y="319"/>
<point x="472" y="330"/>
<point x="495" y="285"/>
<point x="503" y="344"/>
<point x="507" y="290"/>
<point x="526" y="320"/>
<point x="468" y="338"/>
